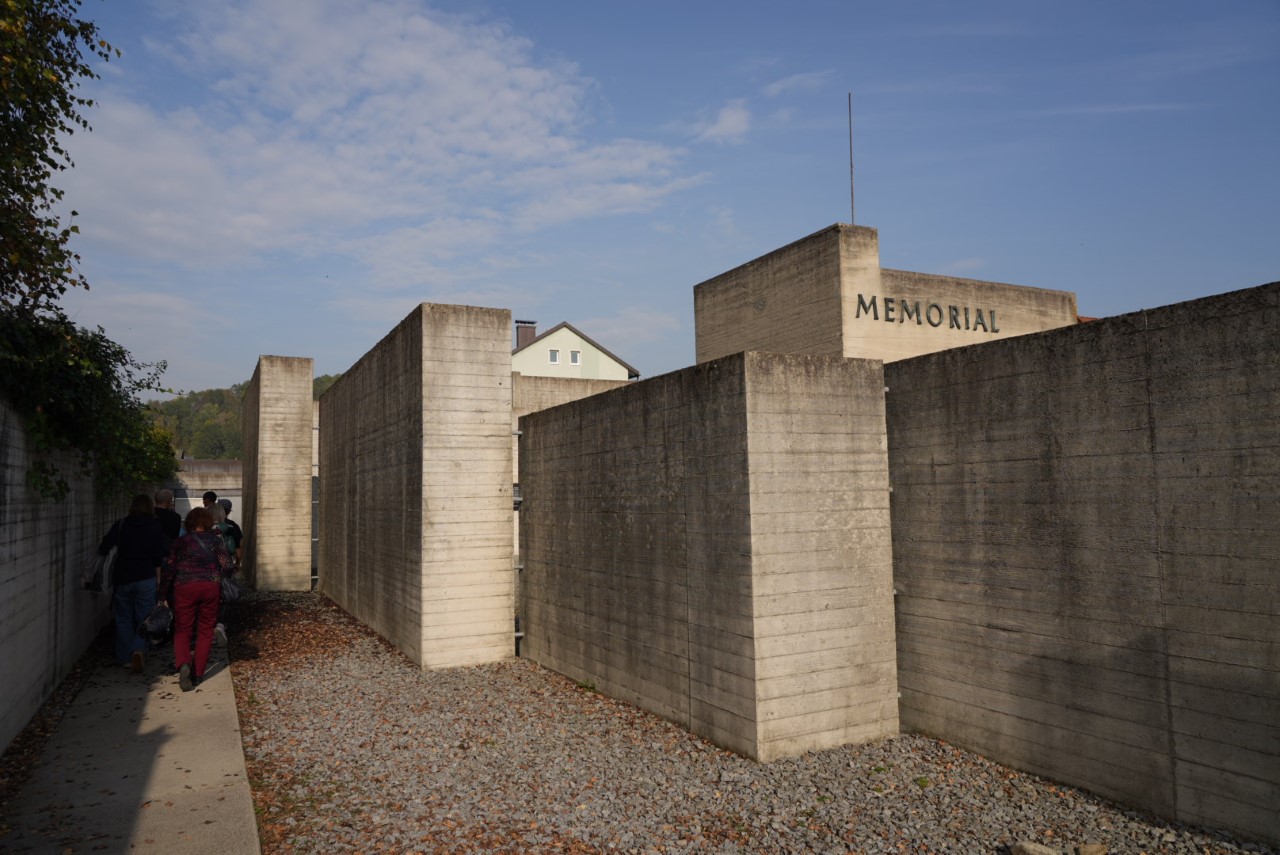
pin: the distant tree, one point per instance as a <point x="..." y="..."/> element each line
<point x="204" y="424"/>
<point x="321" y="384"/>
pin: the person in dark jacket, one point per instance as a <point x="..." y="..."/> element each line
<point x="140" y="542"/>
<point x="197" y="562"/>
<point x="170" y="520"/>
<point x="234" y="538"/>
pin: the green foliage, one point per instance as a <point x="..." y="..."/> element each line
<point x="44" y="53"/>
<point x="321" y="384"/>
<point x="75" y="389"/>
<point x="205" y="425"/>
<point x="78" y="390"/>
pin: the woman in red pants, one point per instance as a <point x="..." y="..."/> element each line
<point x="197" y="562"/>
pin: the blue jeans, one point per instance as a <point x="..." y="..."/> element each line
<point x="134" y="601"/>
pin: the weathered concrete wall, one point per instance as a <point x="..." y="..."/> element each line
<point x="822" y="568"/>
<point x="917" y="313"/>
<point x="278" y="436"/>
<point x="785" y="302"/>
<point x="415" y="487"/>
<point x="529" y="394"/>
<point x="827" y="294"/>
<point x="47" y="619"/>
<point x="713" y="545"/>
<point x="195" y="477"/>
<point x="1085" y="546"/>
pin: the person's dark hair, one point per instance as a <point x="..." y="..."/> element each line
<point x="209" y="497"/>
<point x="226" y="506"/>
<point x="198" y="518"/>
<point x="141" y="506"/>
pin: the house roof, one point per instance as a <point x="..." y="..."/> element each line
<point x="632" y="372"/>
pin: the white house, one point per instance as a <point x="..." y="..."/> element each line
<point x="564" y="351"/>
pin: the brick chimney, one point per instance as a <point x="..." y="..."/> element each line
<point x="526" y="331"/>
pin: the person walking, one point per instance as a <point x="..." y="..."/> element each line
<point x="170" y="520"/>
<point x="140" y="542"/>
<point x="233" y="529"/>
<point x="197" y="562"/>
<point x="234" y="538"/>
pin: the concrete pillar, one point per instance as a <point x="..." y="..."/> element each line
<point x="276" y="500"/>
<point x="415" y="487"/>
<point x="713" y="545"/>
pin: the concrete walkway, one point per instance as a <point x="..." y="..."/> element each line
<point x="137" y="765"/>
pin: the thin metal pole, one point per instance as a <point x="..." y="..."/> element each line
<point x="851" y="217"/>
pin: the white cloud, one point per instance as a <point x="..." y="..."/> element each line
<point x="806" y="82"/>
<point x="729" y="126"/>
<point x="156" y="326"/>
<point x="629" y="327"/>
<point x="329" y="126"/>
<point x="723" y="222"/>
<point x="964" y="265"/>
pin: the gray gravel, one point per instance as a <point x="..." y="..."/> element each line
<point x="353" y="748"/>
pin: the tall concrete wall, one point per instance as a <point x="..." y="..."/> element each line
<point x="917" y="313"/>
<point x="529" y="394"/>
<point x="47" y="619"/>
<point x="276" y="506"/>
<point x="1086" y="550"/>
<point x="415" y="487"/>
<point x="827" y="294"/>
<point x="195" y="477"/>
<point x="713" y="545"/>
<point x="785" y="302"/>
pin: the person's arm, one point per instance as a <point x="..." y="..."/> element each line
<point x="111" y="539"/>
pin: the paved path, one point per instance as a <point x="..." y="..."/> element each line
<point x="137" y="765"/>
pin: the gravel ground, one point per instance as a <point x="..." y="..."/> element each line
<point x="351" y="748"/>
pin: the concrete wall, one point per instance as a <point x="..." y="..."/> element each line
<point x="47" y="619"/>
<point x="195" y="477"/>
<point x="415" y="487"/>
<point x="917" y="313"/>
<point x="278" y="436"/>
<point x="1086" y="547"/>
<point x="827" y="294"/>
<point x="785" y="302"/>
<point x="713" y="545"/>
<point x="529" y="394"/>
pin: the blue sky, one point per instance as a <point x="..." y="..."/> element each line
<point x="292" y="176"/>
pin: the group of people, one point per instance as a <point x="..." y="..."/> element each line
<point x="178" y="562"/>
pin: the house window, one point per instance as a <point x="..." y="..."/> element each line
<point x="555" y="356"/>
<point x="575" y="357"/>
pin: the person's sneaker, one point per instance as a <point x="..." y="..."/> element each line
<point x="135" y="662"/>
<point x="184" y="678"/>
<point x="220" y="635"/>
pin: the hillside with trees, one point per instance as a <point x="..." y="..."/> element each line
<point x="206" y="424"/>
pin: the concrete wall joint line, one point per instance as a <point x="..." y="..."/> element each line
<point x="1161" y="566"/>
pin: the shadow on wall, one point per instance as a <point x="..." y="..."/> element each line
<point x="195" y="477"/>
